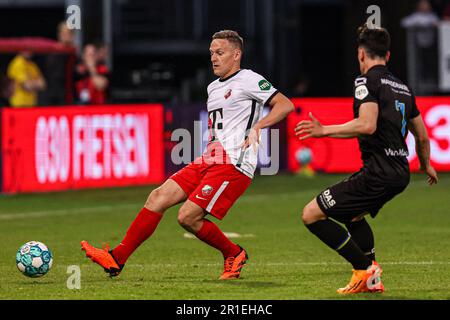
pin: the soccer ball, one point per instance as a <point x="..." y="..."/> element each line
<point x="303" y="156"/>
<point x="34" y="259"/>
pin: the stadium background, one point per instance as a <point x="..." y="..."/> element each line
<point x="159" y="63"/>
<point x="157" y="54"/>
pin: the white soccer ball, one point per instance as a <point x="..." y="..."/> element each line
<point x="34" y="259"/>
<point x="303" y="156"/>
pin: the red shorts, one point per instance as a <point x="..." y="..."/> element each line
<point x="214" y="187"/>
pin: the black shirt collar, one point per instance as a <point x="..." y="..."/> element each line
<point x="230" y="76"/>
<point x="377" y="66"/>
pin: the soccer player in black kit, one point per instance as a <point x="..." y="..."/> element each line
<point x="384" y="111"/>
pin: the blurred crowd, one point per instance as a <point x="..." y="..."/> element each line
<point x="25" y="84"/>
<point x="426" y="18"/>
<point x="423" y="23"/>
<point x="421" y="26"/>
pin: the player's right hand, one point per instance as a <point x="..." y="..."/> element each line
<point x="309" y="128"/>
<point x="253" y="139"/>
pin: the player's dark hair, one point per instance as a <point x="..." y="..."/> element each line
<point x="376" y="41"/>
<point x="231" y="36"/>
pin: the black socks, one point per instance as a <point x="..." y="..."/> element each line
<point x="363" y="236"/>
<point x="337" y="238"/>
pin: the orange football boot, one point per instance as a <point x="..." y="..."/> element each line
<point x="364" y="281"/>
<point x="233" y="265"/>
<point x="102" y="257"/>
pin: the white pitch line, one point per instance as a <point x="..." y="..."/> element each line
<point x="64" y="212"/>
<point x="278" y="264"/>
<point x="61" y="212"/>
<point x="229" y="235"/>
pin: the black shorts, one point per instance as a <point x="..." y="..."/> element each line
<point x="354" y="196"/>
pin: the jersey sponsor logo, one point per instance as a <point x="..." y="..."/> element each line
<point x="328" y="198"/>
<point x="264" y="85"/>
<point x="206" y="190"/>
<point x="401" y="92"/>
<point x="396" y="153"/>
<point x="361" y="92"/>
<point x="227" y="94"/>
<point x="394" y="84"/>
<point x="215" y="123"/>
<point x="360" y="81"/>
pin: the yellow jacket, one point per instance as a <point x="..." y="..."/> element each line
<point x="21" y="70"/>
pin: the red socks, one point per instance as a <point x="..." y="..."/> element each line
<point x="140" y="230"/>
<point x="211" y="234"/>
<point x="145" y="224"/>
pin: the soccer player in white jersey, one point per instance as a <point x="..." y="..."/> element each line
<point x="214" y="181"/>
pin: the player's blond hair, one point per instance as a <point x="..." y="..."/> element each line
<point x="231" y="36"/>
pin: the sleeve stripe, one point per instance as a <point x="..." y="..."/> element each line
<point x="271" y="97"/>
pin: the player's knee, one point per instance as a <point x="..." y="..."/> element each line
<point x="311" y="214"/>
<point x="185" y="219"/>
<point x="190" y="220"/>
<point x="156" y="200"/>
<point x="306" y="215"/>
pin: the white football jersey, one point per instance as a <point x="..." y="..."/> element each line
<point x="235" y="104"/>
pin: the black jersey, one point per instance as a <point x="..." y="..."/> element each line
<point x="384" y="153"/>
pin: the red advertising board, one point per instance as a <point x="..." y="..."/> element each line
<point x="58" y="148"/>
<point x="342" y="155"/>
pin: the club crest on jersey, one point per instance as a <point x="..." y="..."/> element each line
<point x="361" y="92"/>
<point x="206" y="190"/>
<point x="227" y="94"/>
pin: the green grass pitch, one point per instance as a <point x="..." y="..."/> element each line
<point x="412" y="236"/>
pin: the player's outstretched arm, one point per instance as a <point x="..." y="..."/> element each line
<point x="366" y="123"/>
<point x="418" y="129"/>
<point x="281" y="107"/>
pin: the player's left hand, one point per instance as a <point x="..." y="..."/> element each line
<point x="312" y="128"/>
<point x="252" y="139"/>
<point x="432" y="175"/>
